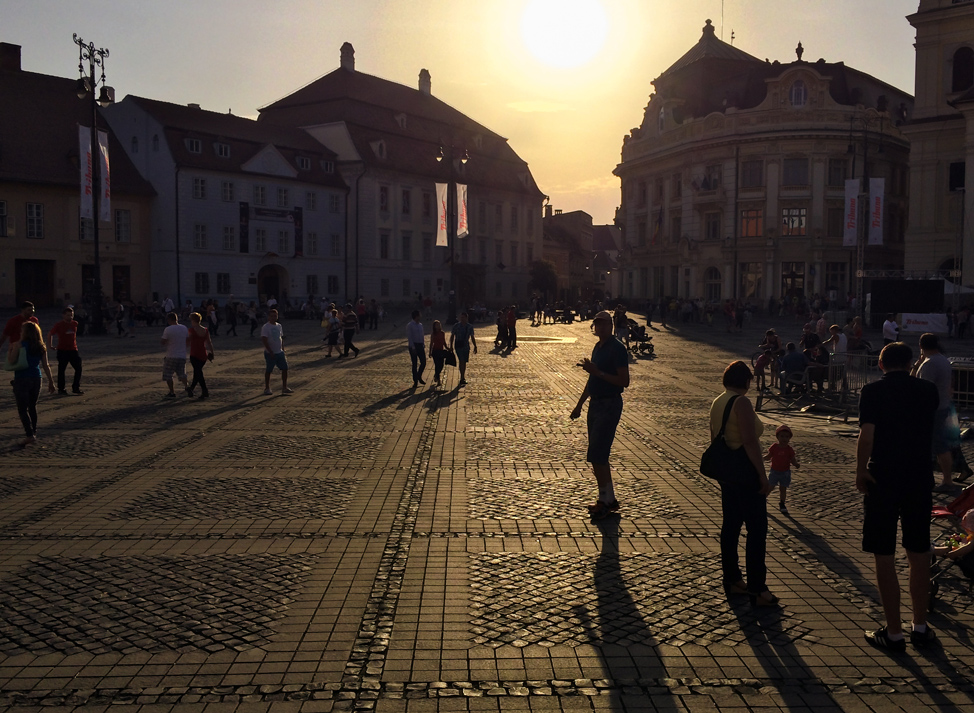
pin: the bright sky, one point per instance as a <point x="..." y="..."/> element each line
<point x="501" y="62"/>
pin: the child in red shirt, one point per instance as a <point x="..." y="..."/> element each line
<point x="782" y="457"/>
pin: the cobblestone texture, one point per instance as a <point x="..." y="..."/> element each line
<point x="269" y="449"/>
<point x="13" y="484"/>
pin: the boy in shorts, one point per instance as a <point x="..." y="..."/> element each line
<point x="272" y="336"/>
<point x="782" y="457"/>
<point x="174" y="339"/>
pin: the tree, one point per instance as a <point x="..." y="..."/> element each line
<point x="544" y="278"/>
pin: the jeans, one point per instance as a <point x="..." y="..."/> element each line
<point x="26" y="392"/>
<point x="65" y="357"/>
<point x="198" y="365"/>
<point x="748" y="508"/>
<point x="349" y="335"/>
<point x="417" y="355"/>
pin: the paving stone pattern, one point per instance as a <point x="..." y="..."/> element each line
<point x="325" y="446"/>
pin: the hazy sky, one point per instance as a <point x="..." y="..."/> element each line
<point x="566" y="122"/>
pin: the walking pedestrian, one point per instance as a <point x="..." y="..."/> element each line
<point x="896" y="419"/>
<point x="373" y="314"/>
<point x="333" y="330"/>
<point x="362" y="312"/>
<point x="174" y="339"/>
<point x="512" y="327"/>
<point x="437" y="350"/>
<point x="608" y="371"/>
<point x="200" y="351"/>
<point x="272" y="336"/>
<point x="461" y="336"/>
<point x="252" y="317"/>
<point x="416" y="341"/>
<point x="891" y="330"/>
<point x="12" y="330"/>
<point x="65" y="333"/>
<point x="231" y="315"/>
<point x="349" y="327"/>
<point x="27" y="382"/>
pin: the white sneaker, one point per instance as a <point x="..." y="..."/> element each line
<point x="268" y="392"/>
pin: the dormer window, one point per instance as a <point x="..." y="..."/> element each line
<point x="223" y="150"/>
<point x="194" y="146"/>
<point x="304" y="163"/>
<point x="401" y="120"/>
<point x="328" y="166"/>
<point x="798" y="94"/>
<point x="379" y="148"/>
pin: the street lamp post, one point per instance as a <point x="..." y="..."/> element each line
<point x="87" y="84"/>
<point x="447" y="154"/>
<point x="862" y="234"/>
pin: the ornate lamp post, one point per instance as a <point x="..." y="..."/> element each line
<point x="87" y="84"/>
<point x="863" y="122"/>
<point x="455" y="157"/>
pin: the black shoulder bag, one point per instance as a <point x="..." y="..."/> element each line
<point x="724" y="464"/>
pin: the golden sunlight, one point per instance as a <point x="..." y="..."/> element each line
<point x="564" y="33"/>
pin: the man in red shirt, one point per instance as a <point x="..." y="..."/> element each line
<point x="12" y="330"/>
<point x="512" y="327"/>
<point x="66" y="332"/>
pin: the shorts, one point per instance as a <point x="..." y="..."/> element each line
<point x="272" y="360"/>
<point x="946" y="431"/>
<point x="463" y="353"/>
<point x="170" y="366"/>
<point x="780" y="477"/>
<point x="884" y="507"/>
<point x="603" y="417"/>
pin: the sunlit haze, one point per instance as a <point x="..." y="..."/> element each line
<point x="509" y="64"/>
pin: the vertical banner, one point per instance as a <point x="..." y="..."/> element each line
<point x="462" y="227"/>
<point x="877" y="199"/>
<point x="105" y="196"/>
<point x="850" y="232"/>
<point x="297" y="216"/>
<point x="244" y="227"/>
<point x="441" y="214"/>
<point x="87" y="171"/>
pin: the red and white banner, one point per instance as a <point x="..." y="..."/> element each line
<point x="441" y="214"/>
<point x="105" y="176"/>
<point x="850" y="233"/>
<point x="921" y="323"/>
<point x="462" y="227"/>
<point x="87" y="171"/>
<point x="877" y="198"/>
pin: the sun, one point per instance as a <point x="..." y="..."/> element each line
<point x="564" y="33"/>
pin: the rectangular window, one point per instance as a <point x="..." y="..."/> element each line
<point x="793" y="221"/>
<point x="260" y="240"/>
<point x="835" y="221"/>
<point x="752" y="223"/>
<point x="199" y="188"/>
<point x="328" y="166"/>
<point x="677" y="183"/>
<point x="498" y="218"/>
<point x="752" y="174"/>
<point x="226" y="191"/>
<point x="311" y="243"/>
<point x="835" y="277"/>
<point x="642" y="194"/>
<point x="123" y="226"/>
<point x="223" y="150"/>
<point x="334" y="203"/>
<point x="333" y="285"/>
<point x="659" y="190"/>
<point x="223" y="283"/>
<point x="711" y="225"/>
<point x="407" y="201"/>
<point x="202" y="283"/>
<point x="427" y="204"/>
<point x="498" y="289"/>
<point x="530" y="255"/>
<point x="499" y="252"/>
<point x="407" y="247"/>
<point x="229" y="238"/>
<point x="957" y="171"/>
<point x="384" y="246"/>
<point x="482" y="216"/>
<point x="311" y="200"/>
<point x="406" y="289"/>
<point x="384" y="199"/>
<point x="194" y="146"/>
<point x="304" y="163"/>
<point x="837" y="169"/>
<point x="483" y="252"/>
<point x="513" y="254"/>
<point x="283" y="241"/>
<point x="336" y="245"/>
<point x="260" y="195"/>
<point x="514" y="219"/>
<point x="641" y="232"/>
<point x="199" y="236"/>
<point x="3" y="219"/>
<point x="712" y="177"/>
<point x="384" y="287"/>
<point x="282" y="198"/>
<point x="427" y="249"/>
<point x="529" y="222"/>
<point x="311" y="284"/>
<point x="86" y="229"/>
<point x="795" y="172"/>
<point x="676" y="228"/>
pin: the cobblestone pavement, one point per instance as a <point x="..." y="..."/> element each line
<point x="360" y="545"/>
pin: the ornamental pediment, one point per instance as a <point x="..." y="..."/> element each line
<point x="269" y="161"/>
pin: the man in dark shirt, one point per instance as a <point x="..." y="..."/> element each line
<point x="608" y="371"/>
<point x="893" y="471"/>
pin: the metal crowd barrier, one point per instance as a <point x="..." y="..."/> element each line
<point x="962" y="380"/>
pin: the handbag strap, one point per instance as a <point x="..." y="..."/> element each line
<point x="727" y="413"/>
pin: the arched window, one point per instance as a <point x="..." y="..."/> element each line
<point x="711" y="278"/>
<point x="661" y="120"/>
<point x="798" y="94"/>
<point x="135" y="144"/>
<point x="963" y="78"/>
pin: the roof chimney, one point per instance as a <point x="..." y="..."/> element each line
<point x="425" y="85"/>
<point x="9" y="57"/>
<point x="547" y="210"/>
<point x="348" y="57"/>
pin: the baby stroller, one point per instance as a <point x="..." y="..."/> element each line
<point x="639" y="341"/>
<point x="958" y="511"/>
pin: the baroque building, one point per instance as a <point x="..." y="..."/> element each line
<point x="388" y="139"/>
<point x="733" y="184"/>
<point x="941" y="137"/>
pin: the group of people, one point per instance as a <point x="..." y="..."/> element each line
<point x="462" y="337"/>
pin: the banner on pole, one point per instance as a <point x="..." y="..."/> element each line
<point x="87" y="171"/>
<point x="441" y="214"/>
<point x="877" y="199"/>
<point x="850" y="232"/>
<point x="105" y="196"/>
<point x="462" y="227"/>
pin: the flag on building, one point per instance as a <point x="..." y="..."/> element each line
<point x="877" y="200"/>
<point x="441" y="214"/>
<point x="850" y="231"/>
<point x="462" y="227"/>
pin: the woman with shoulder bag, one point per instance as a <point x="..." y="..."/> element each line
<point x="743" y="499"/>
<point x="27" y="380"/>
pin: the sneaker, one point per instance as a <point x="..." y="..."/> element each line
<point x="170" y="396"/>
<point x="62" y="392"/>
<point x="463" y="382"/>
<point x="880" y="639"/>
<point x="783" y="508"/>
<point x="268" y="392"/>
<point x="287" y="390"/>
<point x="924" y="639"/>
<point x="79" y="392"/>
